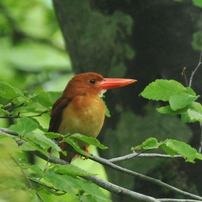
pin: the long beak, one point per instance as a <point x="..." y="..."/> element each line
<point x="108" y="83"/>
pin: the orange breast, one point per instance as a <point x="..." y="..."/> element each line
<point x="85" y="115"/>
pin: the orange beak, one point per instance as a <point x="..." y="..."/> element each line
<point x="108" y="83"/>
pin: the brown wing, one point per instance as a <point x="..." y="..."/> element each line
<point x="56" y="113"/>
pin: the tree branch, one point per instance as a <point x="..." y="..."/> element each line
<point x="143" y="177"/>
<point x="177" y="200"/>
<point x="135" y="154"/>
<point x="107" y="185"/>
<point x="193" y="72"/>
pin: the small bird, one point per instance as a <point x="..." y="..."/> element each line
<point x="80" y="109"/>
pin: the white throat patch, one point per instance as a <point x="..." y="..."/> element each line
<point x="101" y="93"/>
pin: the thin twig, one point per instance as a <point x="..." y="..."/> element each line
<point x="18" y="115"/>
<point x="190" y="84"/>
<point x="143" y="177"/>
<point x="183" y="73"/>
<point x="120" y="190"/>
<point x="27" y="179"/>
<point x="8" y="132"/>
<point x="46" y="186"/>
<point x="200" y="147"/>
<point x="135" y="154"/>
<point x="177" y="200"/>
<point x="193" y="72"/>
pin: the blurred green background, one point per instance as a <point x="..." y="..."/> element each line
<point x="33" y="56"/>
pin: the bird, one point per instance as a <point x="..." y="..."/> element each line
<point x="81" y="109"/>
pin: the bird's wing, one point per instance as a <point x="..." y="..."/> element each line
<point x="56" y="113"/>
<point x="56" y="119"/>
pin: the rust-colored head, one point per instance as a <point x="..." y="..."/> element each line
<point x="93" y="83"/>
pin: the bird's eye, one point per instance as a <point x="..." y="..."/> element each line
<point x="92" y="81"/>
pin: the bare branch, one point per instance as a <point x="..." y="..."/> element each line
<point x="200" y="148"/>
<point x="183" y="73"/>
<point x="143" y="177"/>
<point x="119" y="190"/>
<point x="177" y="200"/>
<point x="193" y="72"/>
<point x="135" y="154"/>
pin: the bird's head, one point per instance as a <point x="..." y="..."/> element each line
<point x="94" y="83"/>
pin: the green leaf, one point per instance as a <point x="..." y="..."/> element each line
<point x="86" y="197"/>
<point x="8" y="146"/>
<point x="167" y="110"/>
<point x="70" y="169"/>
<point x="24" y="126"/>
<point x="197" y="107"/>
<point x="52" y="135"/>
<point x="43" y="98"/>
<point x="93" y="190"/>
<point x="190" y="91"/>
<point x="168" y="150"/>
<point x="4" y="112"/>
<point x="76" y="146"/>
<point x="66" y="183"/>
<point x="39" y="124"/>
<point x="162" y="90"/>
<point x="36" y="170"/>
<point x="42" y="141"/>
<point x="89" y="140"/>
<point x="54" y="95"/>
<point x="7" y="91"/>
<point x="150" y="143"/>
<point x="171" y="147"/>
<point x="181" y="100"/>
<point x="28" y="147"/>
<point x="183" y="149"/>
<point x="194" y="115"/>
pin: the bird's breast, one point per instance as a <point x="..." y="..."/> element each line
<point x="85" y="115"/>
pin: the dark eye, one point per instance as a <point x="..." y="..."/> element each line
<point x="92" y="81"/>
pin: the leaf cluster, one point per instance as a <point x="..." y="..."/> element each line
<point x="171" y="147"/>
<point x="62" y="181"/>
<point x="181" y="100"/>
<point x="55" y="179"/>
<point x="16" y="103"/>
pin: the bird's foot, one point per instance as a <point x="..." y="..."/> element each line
<point x="63" y="146"/>
<point x="86" y="150"/>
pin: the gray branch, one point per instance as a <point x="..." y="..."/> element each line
<point x="135" y="154"/>
<point x="196" y="68"/>
<point x="143" y="177"/>
<point x="108" y="185"/>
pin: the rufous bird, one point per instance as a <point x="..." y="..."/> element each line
<point x="81" y="109"/>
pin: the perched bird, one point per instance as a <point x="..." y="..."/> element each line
<point x="81" y="109"/>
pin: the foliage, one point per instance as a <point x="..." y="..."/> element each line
<point x="61" y="178"/>
<point x="31" y="45"/>
<point x="181" y="99"/>
<point x="171" y="147"/>
<point x="53" y="179"/>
